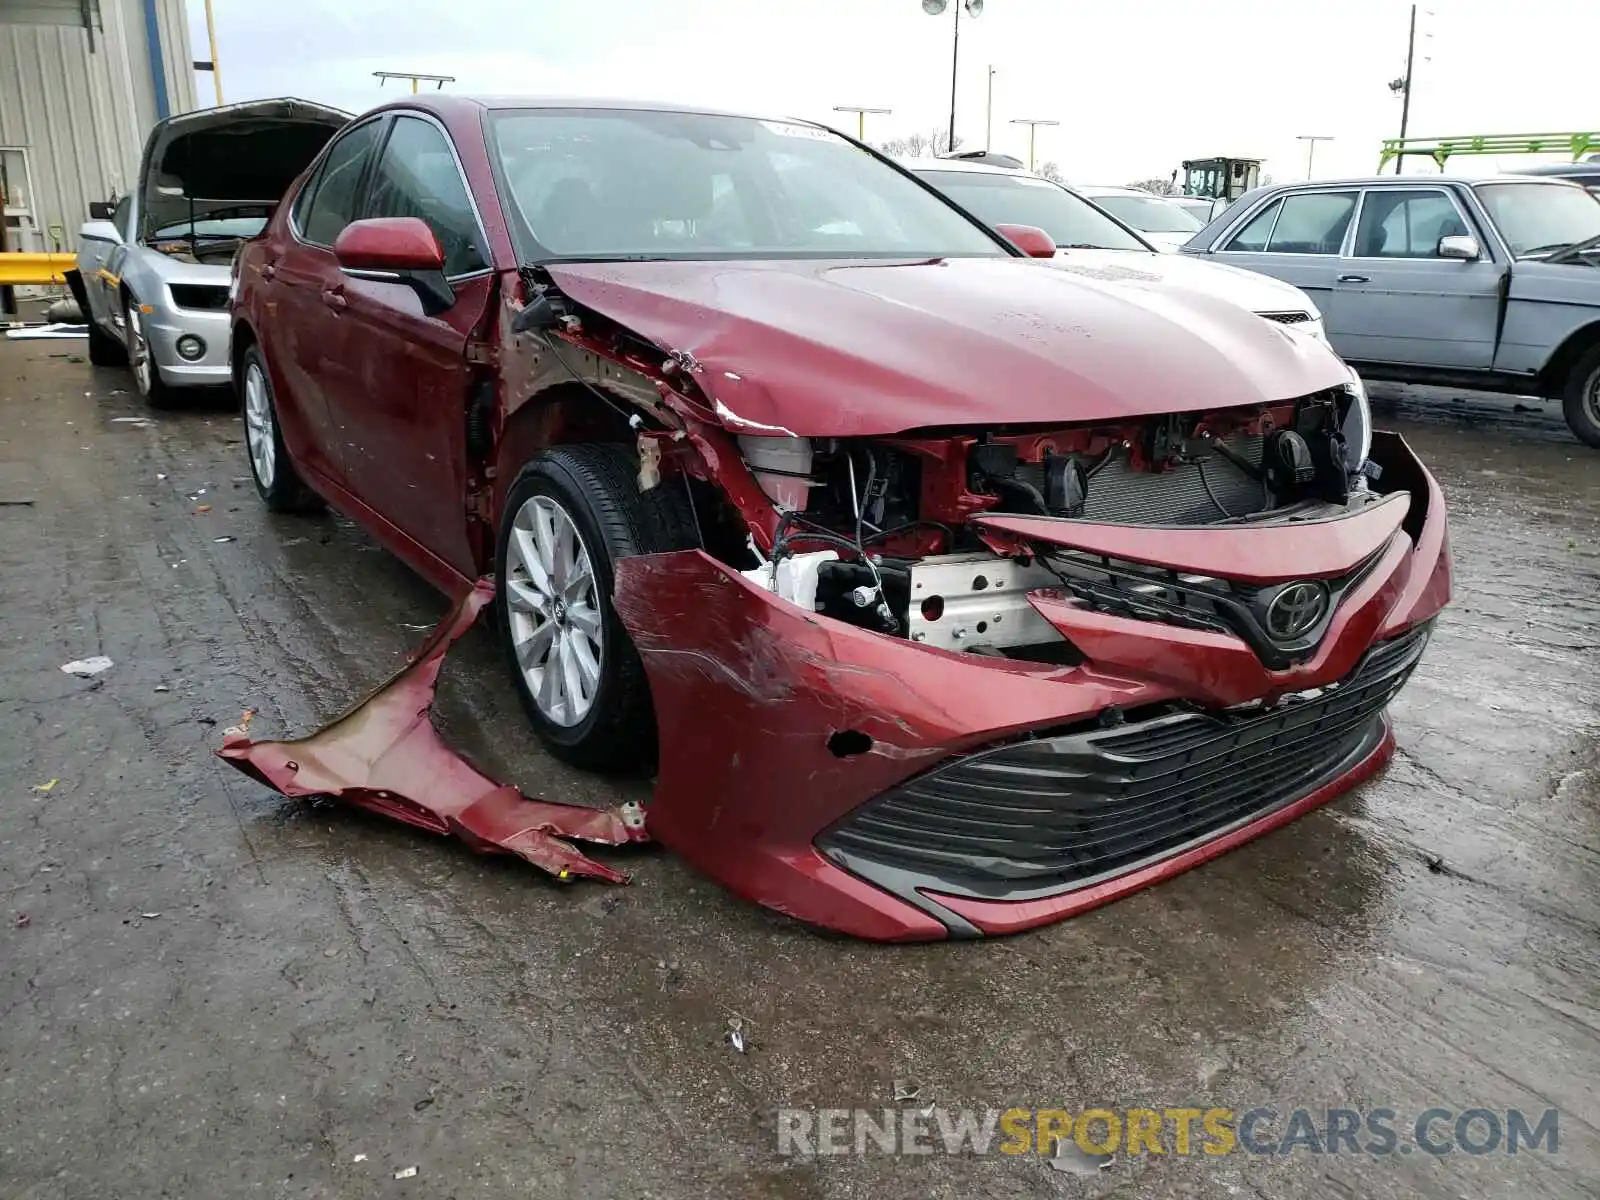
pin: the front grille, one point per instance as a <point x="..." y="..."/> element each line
<point x="1055" y="813"/>
<point x="1148" y="593"/>
<point x="204" y="296"/>
<point x="1286" y="318"/>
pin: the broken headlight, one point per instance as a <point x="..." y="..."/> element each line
<point x="1356" y="427"/>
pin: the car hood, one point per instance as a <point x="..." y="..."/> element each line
<point x="1167" y="243"/>
<point x="238" y="154"/>
<point x="177" y="270"/>
<point x="841" y="348"/>
<point x="1136" y="269"/>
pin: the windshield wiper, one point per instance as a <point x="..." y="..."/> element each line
<point x="1575" y="249"/>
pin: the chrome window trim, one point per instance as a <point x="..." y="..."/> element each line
<point x="322" y="161"/>
<point x="1282" y="198"/>
<point x="485" y="250"/>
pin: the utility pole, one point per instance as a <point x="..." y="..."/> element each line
<point x="861" y="116"/>
<point x="1311" y="148"/>
<point x="1033" y="129"/>
<point x="415" y="77"/>
<point x="989" y="112"/>
<point x="1405" y="89"/>
<point x="216" y="67"/>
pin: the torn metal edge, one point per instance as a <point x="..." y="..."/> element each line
<point x="384" y="754"/>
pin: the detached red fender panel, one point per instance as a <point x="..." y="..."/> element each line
<point x="385" y="755"/>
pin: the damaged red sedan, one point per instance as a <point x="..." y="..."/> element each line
<point x="951" y="595"/>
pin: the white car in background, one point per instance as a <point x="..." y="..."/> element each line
<point x="1091" y="242"/>
<point x="1163" y="222"/>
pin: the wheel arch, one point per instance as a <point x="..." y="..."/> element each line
<point x="563" y="414"/>
<point x="1553" y="375"/>
<point x="240" y="338"/>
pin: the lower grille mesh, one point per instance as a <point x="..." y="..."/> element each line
<point x="1055" y="813"/>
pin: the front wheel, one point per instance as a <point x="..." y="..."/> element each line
<point x="271" y="467"/>
<point x="570" y="514"/>
<point x="146" y="375"/>
<point x="1581" y="400"/>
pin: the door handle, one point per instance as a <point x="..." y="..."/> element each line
<point x="1354" y="279"/>
<point x="334" y="299"/>
<point x="268" y="271"/>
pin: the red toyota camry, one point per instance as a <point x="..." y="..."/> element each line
<point x="950" y="594"/>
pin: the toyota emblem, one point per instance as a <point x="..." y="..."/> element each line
<point x="1296" y="610"/>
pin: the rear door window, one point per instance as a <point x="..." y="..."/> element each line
<point x="1304" y="223"/>
<point x="338" y="191"/>
<point x="417" y="176"/>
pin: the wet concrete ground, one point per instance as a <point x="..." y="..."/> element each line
<point x="206" y="991"/>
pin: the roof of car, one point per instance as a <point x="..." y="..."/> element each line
<point x="1585" y="170"/>
<point x="445" y="104"/>
<point x="956" y="164"/>
<point x="1421" y="180"/>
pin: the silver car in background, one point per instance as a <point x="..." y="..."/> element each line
<point x="1490" y="282"/>
<point x="154" y="265"/>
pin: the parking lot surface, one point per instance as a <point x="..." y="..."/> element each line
<point x="209" y="991"/>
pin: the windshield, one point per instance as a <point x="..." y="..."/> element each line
<point x="626" y="183"/>
<point x="1539" y="218"/>
<point x="214" y="227"/>
<point x="1025" y="200"/>
<point x="1149" y="213"/>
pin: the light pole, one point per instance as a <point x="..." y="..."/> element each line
<point x="1311" y="141"/>
<point x="1033" y="129"/>
<point x="861" y="117"/>
<point x="438" y="80"/>
<point x="988" y="120"/>
<point x="935" y="8"/>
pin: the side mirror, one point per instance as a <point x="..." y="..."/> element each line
<point x="1460" y="246"/>
<point x="400" y="250"/>
<point x="102" y="210"/>
<point x="100" y="231"/>
<point x="1030" y="239"/>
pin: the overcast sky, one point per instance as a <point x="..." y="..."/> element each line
<point x="1138" y="85"/>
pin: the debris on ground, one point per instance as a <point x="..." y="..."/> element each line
<point x="139" y="422"/>
<point x="42" y="333"/>
<point x="202" y="508"/>
<point x="243" y="727"/>
<point x="17" y="503"/>
<point x="150" y="916"/>
<point x="85" y="667"/>
<point x="736" y="1033"/>
<point x="1070" y="1159"/>
<point x="905" y="1090"/>
<point x="23" y="921"/>
<point x="406" y="1173"/>
<point x="45" y="788"/>
<point x="359" y="1158"/>
<point x="225" y="538"/>
<point x="385" y="755"/>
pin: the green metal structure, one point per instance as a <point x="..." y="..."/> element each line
<point x="1441" y="149"/>
<point x="1220" y="178"/>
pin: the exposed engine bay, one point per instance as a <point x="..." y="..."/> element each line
<point x="876" y="533"/>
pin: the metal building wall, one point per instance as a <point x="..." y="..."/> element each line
<point x="83" y="116"/>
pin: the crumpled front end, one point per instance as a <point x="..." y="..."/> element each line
<point x="1178" y="690"/>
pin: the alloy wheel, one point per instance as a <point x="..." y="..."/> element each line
<point x="258" y="431"/>
<point x="139" y="352"/>
<point x="1591" y="397"/>
<point x="553" y="602"/>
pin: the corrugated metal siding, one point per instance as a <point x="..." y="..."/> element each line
<point x="83" y="117"/>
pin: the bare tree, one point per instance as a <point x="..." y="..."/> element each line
<point x="1161" y="187"/>
<point x="919" y="145"/>
<point x="1052" y="172"/>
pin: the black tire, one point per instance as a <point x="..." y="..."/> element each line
<point x="284" y="491"/>
<point x="147" y="382"/>
<point x="596" y="486"/>
<point x="105" y="350"/>
<point x="1580" y="398"/>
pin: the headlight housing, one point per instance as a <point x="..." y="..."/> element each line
<point x="1357" y="424"/>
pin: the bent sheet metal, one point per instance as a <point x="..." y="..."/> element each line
<point x="385" y="755"/>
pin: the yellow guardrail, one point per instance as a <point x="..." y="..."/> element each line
<point x="17" y="267"/>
